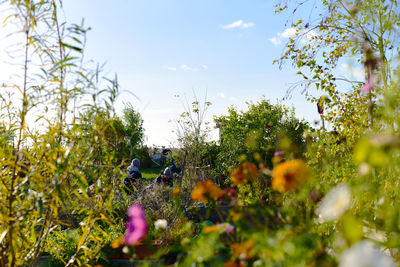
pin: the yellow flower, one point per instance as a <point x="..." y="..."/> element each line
<point x="204" y="189"/>
<point x="176" y="191"/>
<point x="290" y="175"/>
<point x="243" y="173"/>
<point x="243" y="251"/>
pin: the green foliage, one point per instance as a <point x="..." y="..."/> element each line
<point x="262" y="129"/>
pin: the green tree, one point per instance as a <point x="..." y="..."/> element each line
<point x="263" y="129"/>
<point x="133" y="128"/>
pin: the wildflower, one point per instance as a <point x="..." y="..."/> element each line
<point x="136" y="228"/>
<point x="176" y="191"/>
<point x="220" y="228"/>
<point x="243" y="251"/>
<point x="334" y="203"/>
<point x="206" y="189"/>
<point x="289" y="175"/>
<point x="368" y="86"/>
<point x="160" y="223"/>
<point x="243" y="173"/>
<point x="232" y="193"/>
<point x="118" y="242"/>
<point x="365" y="253"/>
<point x="278" y="154"/>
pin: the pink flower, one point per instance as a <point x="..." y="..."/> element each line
<point x="136" y="227"/>
<point x="278" y="154"/>
<point x="368" y="86"/>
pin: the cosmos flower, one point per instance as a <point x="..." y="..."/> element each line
<point x="136" y="228"/>
<point x="365" y="253"/>
<point x="334" y="203"/>
<point x="290" y="175"/>
<point x="245" y="172"/>
<point x="368" y="86"/>
<point x="205" y="190"/>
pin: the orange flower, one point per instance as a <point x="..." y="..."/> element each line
<point x="289" y="175"/>
<point x="206" y="189"/>
<point x="243" y="251"/>
<point x="243" y="173"/>
<point x="118" y="242"/>
<point x="176" y="191"/>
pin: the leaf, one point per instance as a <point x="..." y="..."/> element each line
<point x="71" y="47"/>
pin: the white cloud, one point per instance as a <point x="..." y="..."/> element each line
<point x="289" y="32"/>
<point x="355" y="72"/>
<point x="275" y="40"/>
<point x="186" y="67"/>
<point x="233" y="99"/>
<point x="171" y="68"/>
<point x="238" y="24"/>
<point x="204" y="67"/>
<point x="221" y="95"/>
<point x="305" y="36"/>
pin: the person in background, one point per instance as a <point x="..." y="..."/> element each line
<point x="134" y="175"/>
<point x="165" y="178"/>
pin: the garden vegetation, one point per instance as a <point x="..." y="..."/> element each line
<point x="273" y="191"/>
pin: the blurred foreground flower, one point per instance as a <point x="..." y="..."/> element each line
<point x="334" y="203"/>
<point x="245" y="172"/>
<point x="220" y="228"/>
<point x="204" y="189"/>
<point x="136" y="228"/>
<point x="368" y="86"/>
<point x="290" y="175"/>
<point x="243" y="251"/>
<point x="160" y="223"/>
<point x="365" y="253"/>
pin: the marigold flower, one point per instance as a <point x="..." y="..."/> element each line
<point x="206" y="189"/>
<point x="176" y="191"/>
<point x="136" y="228"/>
<point x="243" y="251"/>
<point x="245" y="172"/>
<point x="289" y="175"/>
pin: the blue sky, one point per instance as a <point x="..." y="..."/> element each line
<point x="163" y="48"/>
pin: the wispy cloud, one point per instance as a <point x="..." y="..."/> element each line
<point x="238" y="24"/>
<point x="171" y="68"/>
<point x="221" y="95"/>
<point x="187" y="68"/>
<point x="204" y="67"/>
<point x="275" y="40"/>
<point x="306" y="35"/>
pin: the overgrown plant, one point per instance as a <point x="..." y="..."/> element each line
<point x="49" y="155"/>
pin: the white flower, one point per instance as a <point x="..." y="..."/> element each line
<point x="161" y="223"/>
<point x="334" y="203"/>
<point x="365" y="253"/>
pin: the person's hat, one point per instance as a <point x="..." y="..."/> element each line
<point x="167" y="171"/>
<point x="136" y="162"/>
